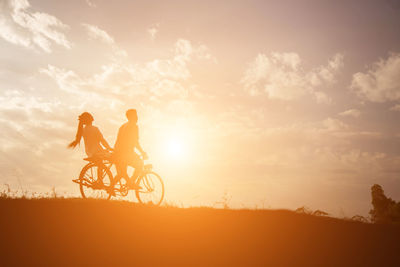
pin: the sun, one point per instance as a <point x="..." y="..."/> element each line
<point x="177" y="144"/>
<point x="175" y="148"/>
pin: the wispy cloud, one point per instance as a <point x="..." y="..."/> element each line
<point x="66" y="80"/>
<point x="96" y="33"/>
<point x="381" y="82"/>
<point x="153" y="30"/>
<point x="91" y="3"/>
<point x="395" y="107"/>
<point x="351" y="112"/>
<point x="280" y="76"/>
<point x="99" y="34"/>
<point x="156" y="78"/>
<point x="20" y="26"/>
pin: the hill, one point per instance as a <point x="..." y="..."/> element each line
<point x="92" y="232"/>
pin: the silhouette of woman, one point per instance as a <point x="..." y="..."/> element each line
<point x="95" y="144"/>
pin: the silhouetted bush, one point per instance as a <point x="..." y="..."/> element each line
<point x="320" y="213"/>
<point x="359" y="218"/>
<point x="306" y="210"/>
<point x="385" y="210"/>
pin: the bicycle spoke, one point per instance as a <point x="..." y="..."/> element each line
<point x="152" y="191"/>
<point x="89" y="175"/>
<point x="89" y="178"/>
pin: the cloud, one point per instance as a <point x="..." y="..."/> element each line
<point x="99" y="34"/>
<point x="66" y="80"/>
<point x="351" y="112"/>
<point x="381" y="82"/>
<point x="156" y="78"/>
<point x="396" y="107"/>
<point x="20" y="26"/>
<point x="96" y="33"/>
<point x="185" y="51"/>
<point x="334" y="124"/>
<point x="152" y="31"/>
<point x="91" y="3"/>
<point x="321" y="147"/>
<point x="280" y="76"/>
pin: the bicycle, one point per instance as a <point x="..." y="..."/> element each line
<point x="149" y="190"/>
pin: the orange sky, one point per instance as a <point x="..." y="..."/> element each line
<point x="278" y="104"/>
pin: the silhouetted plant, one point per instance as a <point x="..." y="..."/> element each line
<point x="359" y="218"/>
<point x="385" y="210"/>
<point x="320" y="213"/>
<point x="9" y="193"/>
<point x="53" y="191"/>
<point x="6" y="192"/>
<point x="306" y="210"/>
<point x="226" y="198"/>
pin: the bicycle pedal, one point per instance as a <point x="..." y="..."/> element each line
<point x="97" y="186"/>
<point x="78" y="181"/>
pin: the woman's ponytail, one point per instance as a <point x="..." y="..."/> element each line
<point x="84" y="118"/>
<point x="78" y="137"/>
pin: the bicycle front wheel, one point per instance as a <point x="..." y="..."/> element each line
<point x="152" y="189"/>
<point x="89" y="178"/>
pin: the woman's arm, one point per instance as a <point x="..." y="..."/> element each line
<point x="103" y="141"/>
<point x="105" y="144"/>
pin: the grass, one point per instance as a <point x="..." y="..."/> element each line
<point x="8" y="193"/>
<point x="224" y="202"/>
<point x="51" y="230"/>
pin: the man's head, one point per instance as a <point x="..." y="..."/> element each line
<point x="131" y="115"/>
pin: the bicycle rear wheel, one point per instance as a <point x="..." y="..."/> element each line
<point x="152" y="189"/>
<point x="89" y="176"/>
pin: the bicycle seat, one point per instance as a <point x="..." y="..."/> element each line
<point x="98" y="157"/>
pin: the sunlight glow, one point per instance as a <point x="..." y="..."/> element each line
<point x="175" y="148"/>
<point x="177" y="143"/>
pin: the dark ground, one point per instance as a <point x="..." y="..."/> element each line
<point x="54" y="232"/>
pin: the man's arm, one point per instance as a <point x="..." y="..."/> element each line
<point x="139" y="147"/>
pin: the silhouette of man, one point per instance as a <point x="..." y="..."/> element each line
<point x="124" y="149"/>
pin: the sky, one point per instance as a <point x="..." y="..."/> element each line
<point x="269" y="104"/>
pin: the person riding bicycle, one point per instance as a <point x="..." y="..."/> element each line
<point x="95" y="144"/>
<point x="124" y="149"/>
